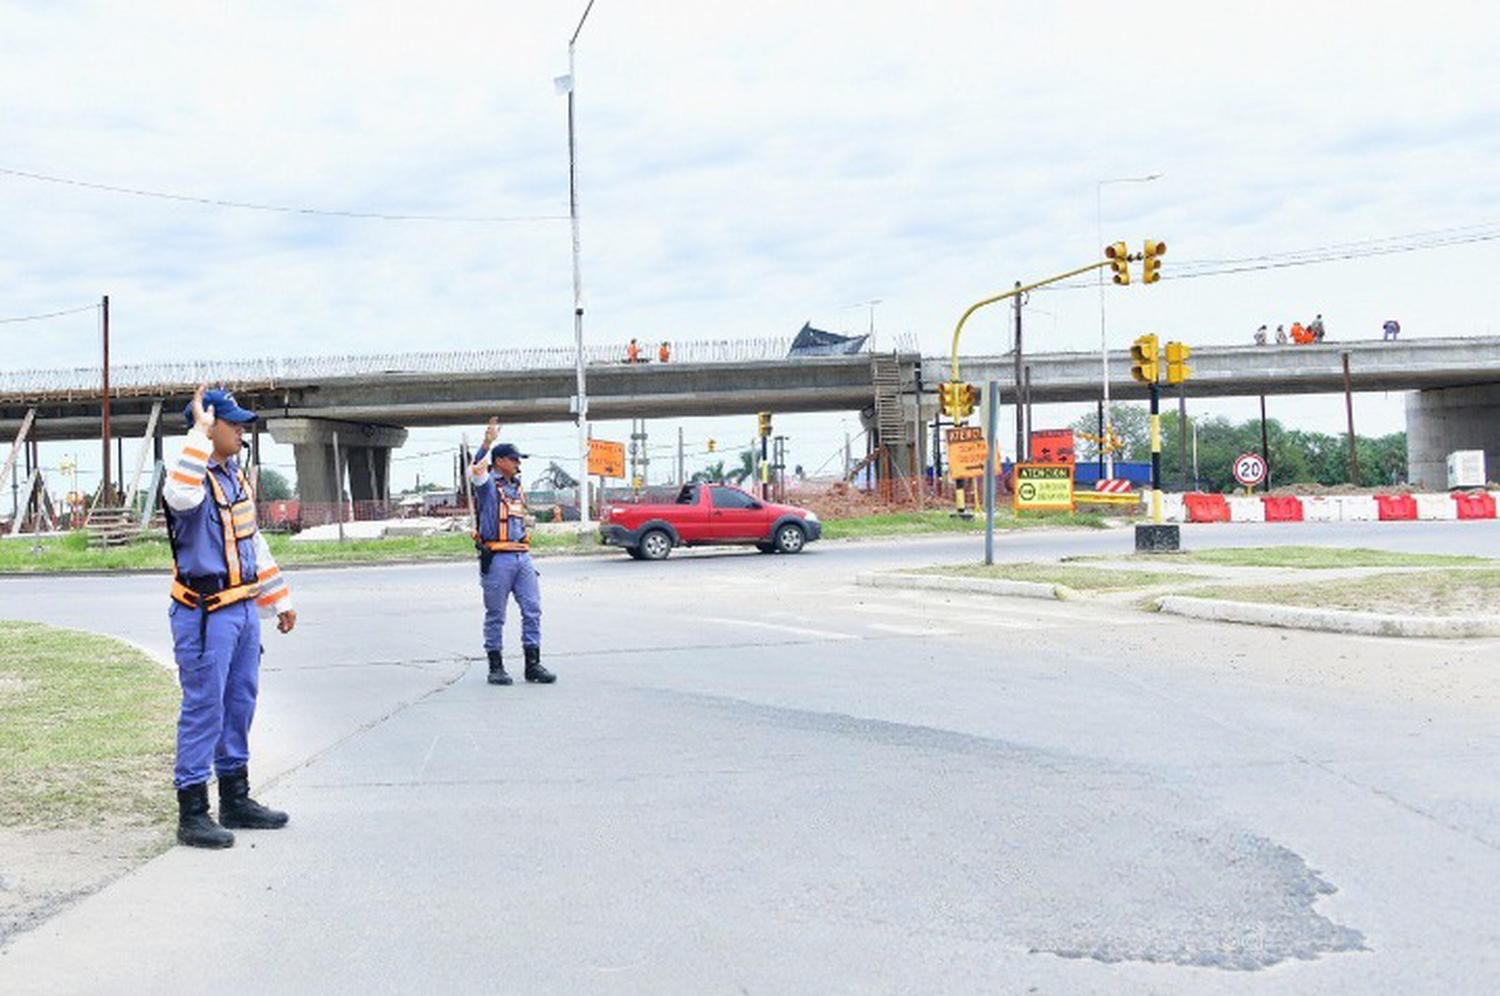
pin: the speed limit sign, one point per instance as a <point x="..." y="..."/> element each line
<point x="1249" y="469"/>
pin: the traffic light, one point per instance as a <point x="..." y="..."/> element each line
<point x="1119" y="261"/>
<point x="1145" y="353"/>
<point x="1177" y="368"/>
<point x="949" y="395"/>
<point x="765" y="424"/>
<point x="968" y="397"/>
<point x="1151" y="262"/>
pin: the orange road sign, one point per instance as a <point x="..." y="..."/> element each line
<point x="966" y="452"/>
<point x="606" y="459"/>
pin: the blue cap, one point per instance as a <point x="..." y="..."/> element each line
<point x="503" y="450"/>
<point x="223" y="405"/>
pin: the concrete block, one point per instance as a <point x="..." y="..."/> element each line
<point x="1358" y="508"/>
<point x="1436" y="507"/>
<point x="1171" y="508"/>
<point x="1243" y="509"/>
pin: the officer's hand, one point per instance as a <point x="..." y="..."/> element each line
<point x="203" y="418"/>
<point x="491" y="431"/>
<point x="286" y="620"/>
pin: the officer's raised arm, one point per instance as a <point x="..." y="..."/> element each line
<point x="183" y="487"/>
<point x="479" y="470"/>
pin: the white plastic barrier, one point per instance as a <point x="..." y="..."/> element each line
<point x="1242" y="509"/>
<point x="1436" y="507"/>
<point x="1171" y="508"/>
<point x="1320" y="509"/>
<point x="1358" y="508"/>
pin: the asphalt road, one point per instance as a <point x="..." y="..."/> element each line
<point x="754" y="776"/>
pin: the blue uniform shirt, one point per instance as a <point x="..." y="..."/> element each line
<point x="199" y="532"/>
<point x="487" y="505"/>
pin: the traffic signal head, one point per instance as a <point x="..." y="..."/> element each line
<point x="1145" y="358"/>
<point x="968" y="397"/>
<point x="945" y="399"/>
<point x="1119" y="261"/>
<point x="1177" y="368"/>
<point x="1151" y="261"/>
<point x="765" y="423"/>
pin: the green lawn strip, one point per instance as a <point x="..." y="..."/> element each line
<point x="1304" y="557"/>
<point x="72" y="553"/>
<point x="1077" y="578"/>
<point x="943" y="521"/>
<point x="87" y="728"/>
<point x="1465" y="592"/>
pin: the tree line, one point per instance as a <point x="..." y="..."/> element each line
<point x="1296" y="456"/>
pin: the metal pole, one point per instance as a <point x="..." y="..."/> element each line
<point x="1349" y="410"/>
<point x="338" y="485"/>
<point x="991" y="438"/>
<point x="1155" y="453"/>
<point x="1182" y="431"/>
<point x="1101" y="440"/>
<point x="106" y="480"/>
<point x="680" y="464"/>
<point x="1030" y="426"/>
<point x="583" y="396"/>
<point x="1106" y="460"/>
<point x="1020" y="393"/>
<point x="1265" y="444"/>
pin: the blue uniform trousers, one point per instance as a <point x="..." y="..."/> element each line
<point x="220" y="676"/>
<point x="511" y="574"/>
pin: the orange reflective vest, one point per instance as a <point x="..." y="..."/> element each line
<point x="237" y="520"/>
<point x="504" y="513"/>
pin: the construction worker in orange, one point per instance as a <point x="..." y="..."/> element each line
<point x="665" y="353"/>
<point x="633" y="352"/>
<point x="1300" y="335"/>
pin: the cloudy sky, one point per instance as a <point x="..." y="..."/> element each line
<point x="743" y="168"/>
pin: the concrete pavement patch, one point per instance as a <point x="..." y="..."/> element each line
<point x="1331" y="620"/>
<point x="973" y="586"/>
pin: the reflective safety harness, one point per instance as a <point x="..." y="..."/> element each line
<point x="214" y="592"/>
<point x="505" y="544"/>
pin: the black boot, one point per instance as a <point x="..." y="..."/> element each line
<point x="238" y="810"/>
<point x="195" y="827"/>
<point x="497" y="669"/>
<point x="534" y="670"/>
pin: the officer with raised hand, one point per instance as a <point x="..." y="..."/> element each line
<point x="223" y="572"/>
<point x="502" y="537"/>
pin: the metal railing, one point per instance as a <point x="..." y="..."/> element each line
<point x="267" y="374"/>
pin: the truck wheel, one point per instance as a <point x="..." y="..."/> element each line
<point x="790" y="539"/>
<point x="655" y="545"/>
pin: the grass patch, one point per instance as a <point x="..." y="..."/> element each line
<point x="942" y="521"/>
<point x="72" y="553"/>
<point x="87" y="731"/>
<point x="1305" y="557"/>
<point x="1422" y="593"/>
<point x="1077" y="578"/>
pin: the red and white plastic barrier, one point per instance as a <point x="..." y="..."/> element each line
<point x="1199" y="507"/>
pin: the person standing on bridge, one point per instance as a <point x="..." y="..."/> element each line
<point x="1316" y="328"/>
<point x="665" y="353"/>
<point x="223" y="572"/>
<point x="502" y="525"/>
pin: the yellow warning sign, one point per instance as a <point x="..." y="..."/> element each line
<point x="1044" y="487"/>
<point x="606" y="459"/>
<point x="966" y="452"/>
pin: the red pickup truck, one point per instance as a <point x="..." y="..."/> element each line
<point x="706" y="514"/>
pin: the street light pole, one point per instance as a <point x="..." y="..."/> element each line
<point x="582" y="401"/>
<point x="1105" y="422"/>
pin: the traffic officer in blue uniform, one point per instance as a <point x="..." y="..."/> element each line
<point x="505" y="569"/>
<point x="223" y="575"/>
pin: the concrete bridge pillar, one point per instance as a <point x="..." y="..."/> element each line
<point x="364" y="448"/>
<point x="1441" y="420"/>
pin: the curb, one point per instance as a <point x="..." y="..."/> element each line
<point x="973" y="586"/>
<point x="1331" y="620"/>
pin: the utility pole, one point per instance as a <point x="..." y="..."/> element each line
<point x="582" y="400"/>
<point x="681" y="472"/>
<point x="1182" y="458"/>
<point x="1349" y="409"/>
<point x="1265" y="444"/>
<point x="106" y="479"/>
<point x="1020" y="392"/>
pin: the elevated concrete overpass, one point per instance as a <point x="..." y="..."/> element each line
<point x="371" y="401"/>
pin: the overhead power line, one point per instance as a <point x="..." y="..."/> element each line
<point x="279" y="208"/>
<point x="50" y="314"/>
